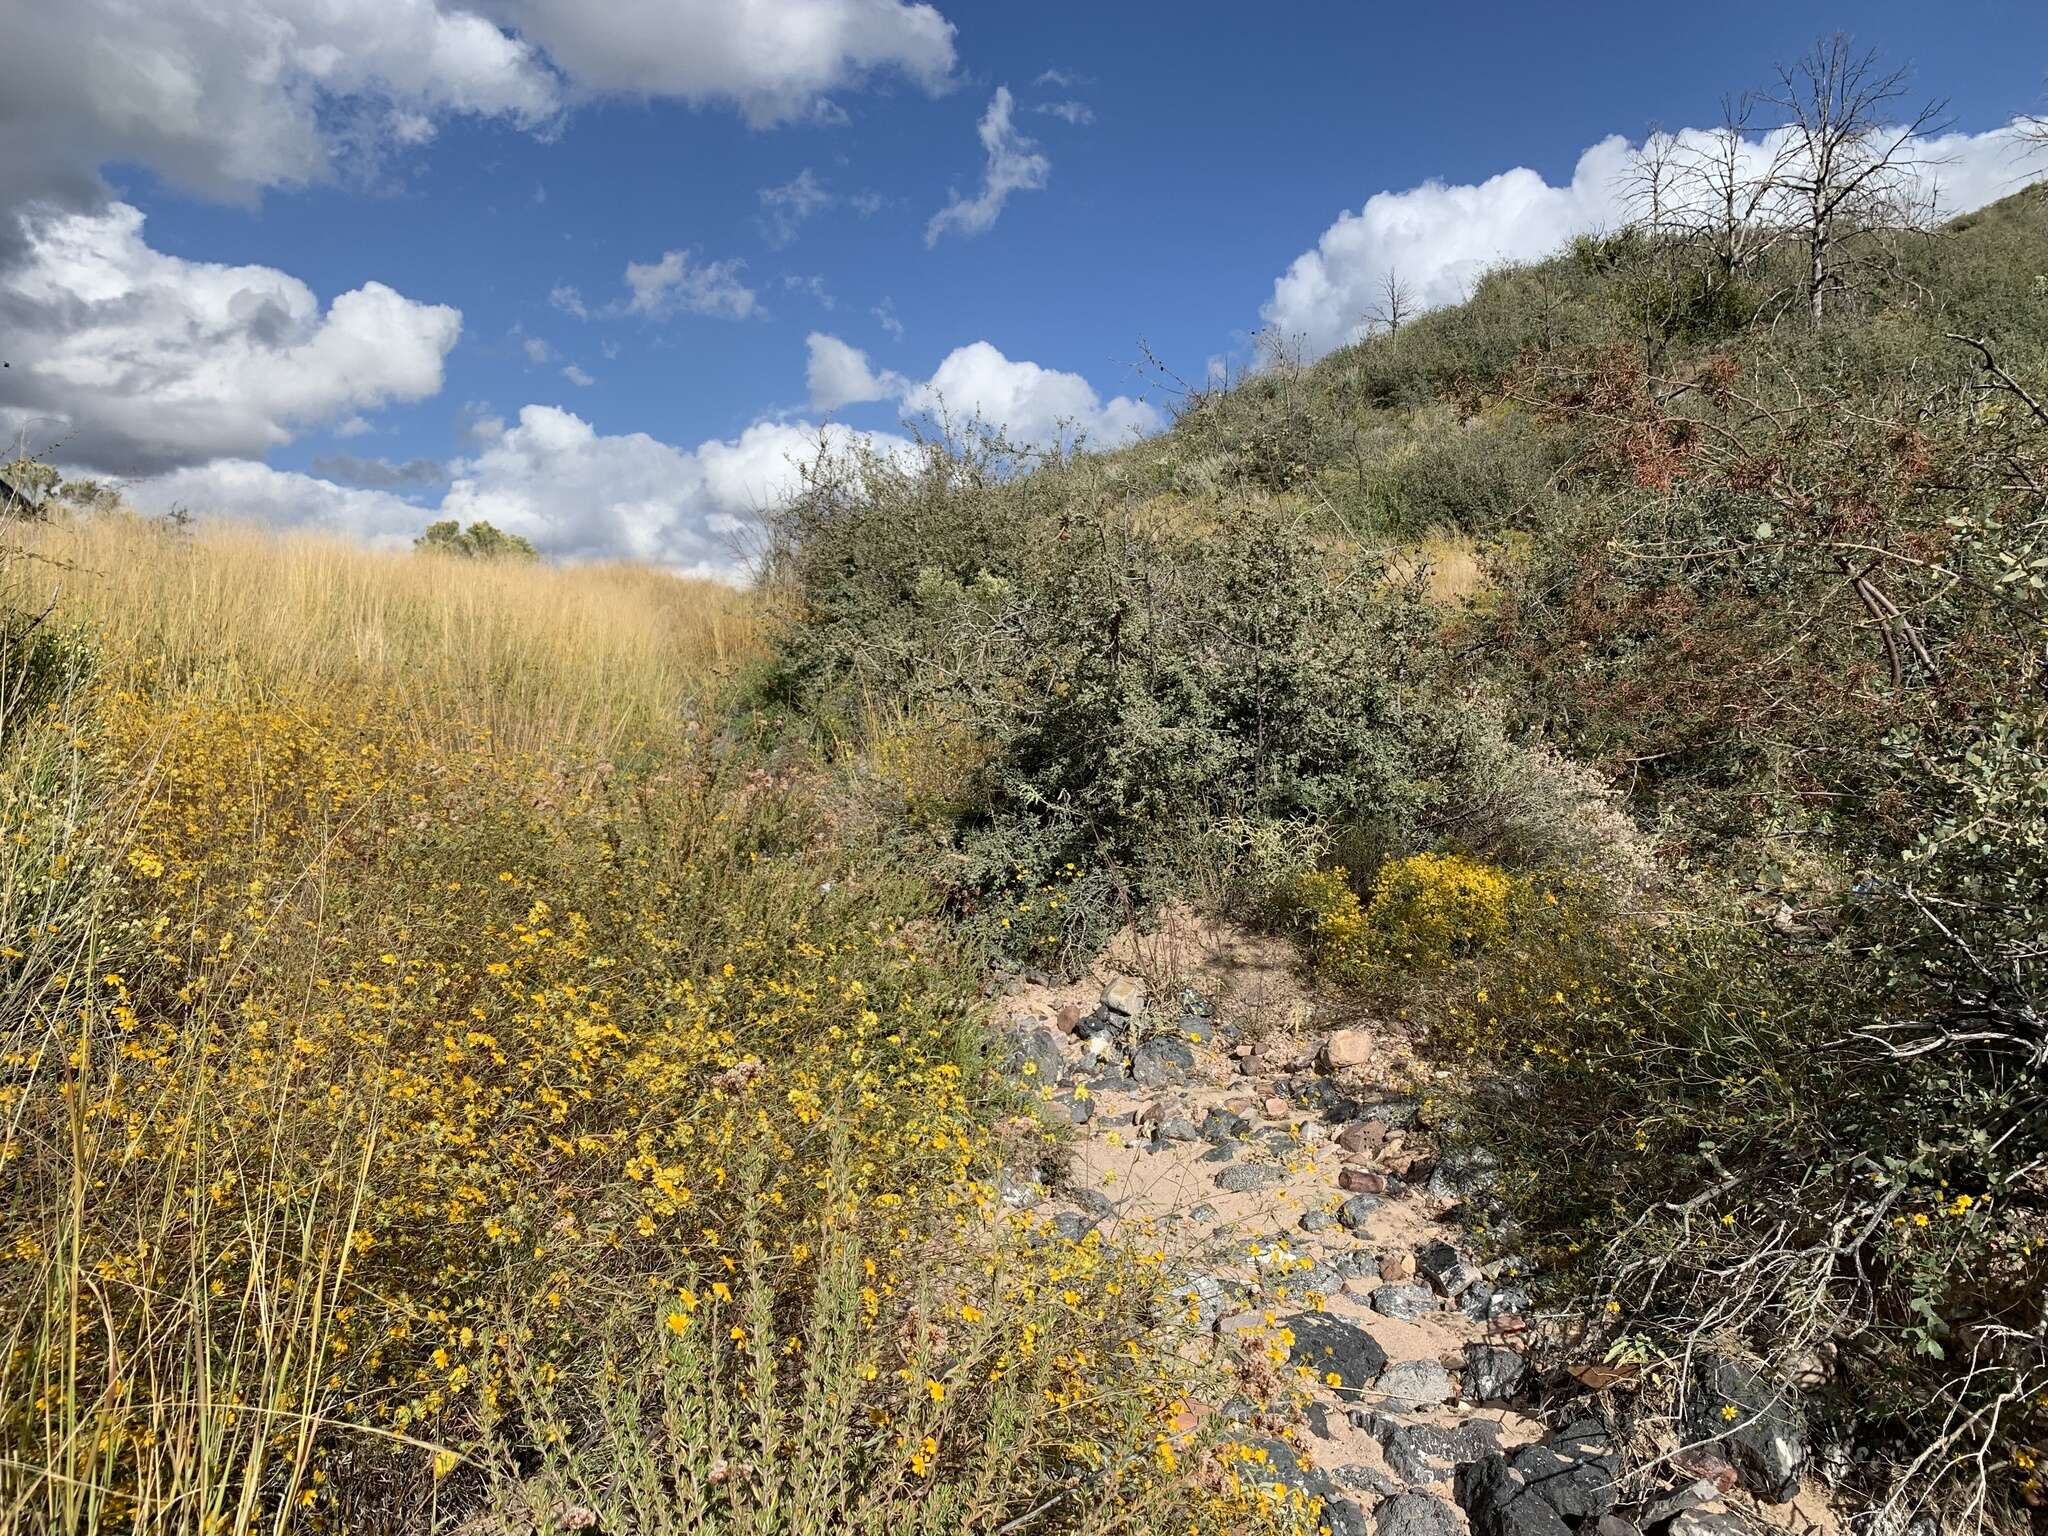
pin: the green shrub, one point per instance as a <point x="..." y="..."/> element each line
<point x="479" y="541"/>
<point x="1136" y="685"/>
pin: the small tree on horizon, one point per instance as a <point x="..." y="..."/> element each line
<point x="479" y="541"/>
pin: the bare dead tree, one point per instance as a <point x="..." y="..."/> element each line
<point x="1728" y="187"/>
<point x="2032" y="131"/>
<point x="1856" y="162"/>
<point x="1396" y="303"/>
<point x="1649" y="183"/>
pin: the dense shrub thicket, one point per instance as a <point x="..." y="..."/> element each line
<point x="1760" y="644"/>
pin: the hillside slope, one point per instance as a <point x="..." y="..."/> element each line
<point x="1702" y="804"/>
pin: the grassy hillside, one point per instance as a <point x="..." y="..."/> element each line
<point x="1693" y="814"/>
<point x="449" y="1075"/>
<point x="484" y="1042"/>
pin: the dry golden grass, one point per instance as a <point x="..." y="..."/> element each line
<point x="536" y="654"/>
<point x="1449" y="562"/>
<point x="405" y="1128"/>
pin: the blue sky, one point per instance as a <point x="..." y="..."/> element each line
<point x="1181" y="175"/>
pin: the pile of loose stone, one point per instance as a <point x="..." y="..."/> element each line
<point x="1308" y="1215"/>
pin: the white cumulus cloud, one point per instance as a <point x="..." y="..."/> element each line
<point x="1014" y="165"/>
<point x="227" y="98"/>
<point x="839" y="374"/>
<point x="774" y="60"/>
<point x="680" y="282"/>
<point x="245" y="490"/>
<point x="1034" y="406"/>
<point x="139" y="361"/>
<point x="1439" y="238"/>
<point x="553" y="478"/>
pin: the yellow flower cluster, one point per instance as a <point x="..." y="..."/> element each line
<point x="403" y="1089"/>
<point x="1425" y="913"/>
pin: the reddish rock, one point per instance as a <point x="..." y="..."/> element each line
<point x="1700" y="1463"/>
<point x="1397" y="1267"/>
<point x="1276" y="1108"/>
<point x="1361" y="1137"/>
<point x="1361" y="1181"/>
<point x="1068" y="1017"/>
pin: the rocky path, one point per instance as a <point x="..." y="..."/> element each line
<point x="1312" y="1233"/>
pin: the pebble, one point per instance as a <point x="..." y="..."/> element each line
<point x="1415" y="1384"/>
<point x="1361" y="1137"/>
<point x="1492" y="1373"/>
<point x="1404" y="1303"/>
<point x="1124" y="995"/>
<point x="1356" y="1211"/>
<point x="1242" y="1178"/>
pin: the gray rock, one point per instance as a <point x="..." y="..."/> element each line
<point x="1220" y="1125"/>
<point x="1320" y="1278"/>
<point x="1369" y="1479"/>
<point x="1240" y="1178"/>
<point x="1317" y="1221"/>
<point x="1093" y="1200"/>
<point x="1492" y="1374"/>
<point x="1357" y="1263"/>
<point x="1425" y="1453"/>
<point x="1704" y="1522"/>
<point x="1020" y="1186"/>
<point x="1416" y="1514"/>
<point x="1327" y="1344"/>
<point x="1079" y="1110"/>
<point x="1614" y="1525"/>
<point x="1204" y="1213"/>
<point x="1223" y="1154"/>
<point x="1035" y="1057"/>
<point x="1691" y="1496"/>
<point x="1357" y="1211"/>
<point x="1464" y="1172"/>
<point x="1162" y="1063"/>
<point x="1579" y="1488"/>
<point x="1403" y="1302"/>
<point x="1073" y="1226"/>
<point x="1177" y="1128"/>
<point x="1394" y="1114"/>
<point x="1766" y="1440"/>
<point x="1414" y="1384"/>
<point x="1498" y="1503"/>
<point x="1440" y="1264"/>
<point x="1208" y="1297"/>
<point x="1103" y="1030"/>
<point x="1482" y="1303"/>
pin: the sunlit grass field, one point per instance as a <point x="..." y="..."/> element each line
<point x="451" y="1076"/>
